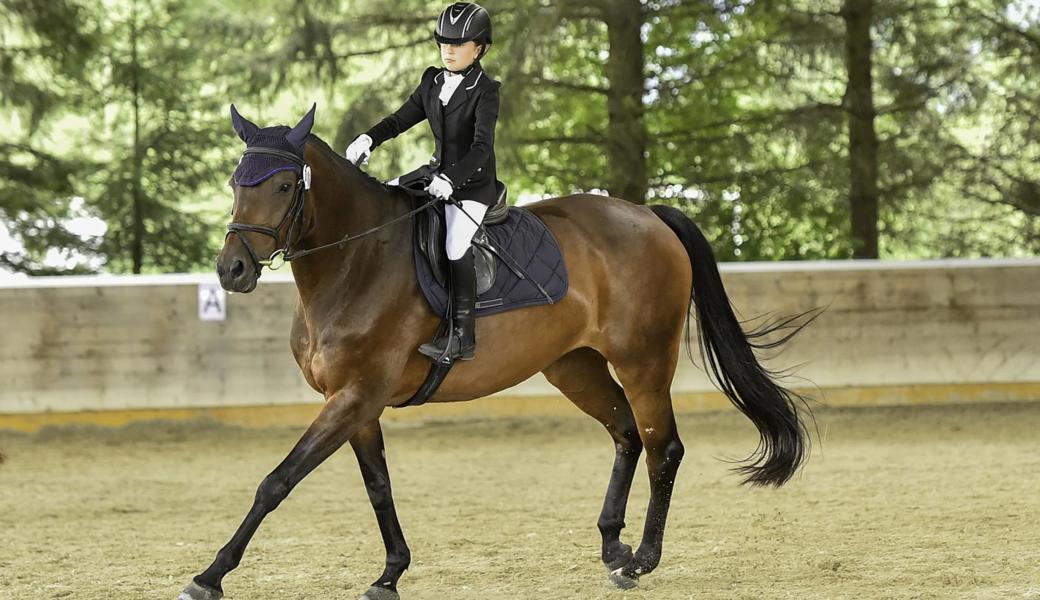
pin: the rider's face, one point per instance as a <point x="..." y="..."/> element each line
<point x="457" y="57"/>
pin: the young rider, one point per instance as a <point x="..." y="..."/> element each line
<point x="461" y="103"/>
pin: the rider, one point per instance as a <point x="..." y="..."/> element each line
<point x="461" y="103"/>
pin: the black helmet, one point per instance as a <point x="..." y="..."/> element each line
<point x="463" y="22"/>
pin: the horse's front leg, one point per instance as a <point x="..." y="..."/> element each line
<point x="344" y="414"/>
<point x="368" y="446"/>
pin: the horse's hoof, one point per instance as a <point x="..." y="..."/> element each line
<point x="621" y="560"/>
<point x="380" y="593"/>
<point x="622" y="581"/>
<point x="195" y="591"/>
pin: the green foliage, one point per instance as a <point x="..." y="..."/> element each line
<point x="744" y="108"/>
<point x="162" y="133"/>
<point x="43" y="47"/>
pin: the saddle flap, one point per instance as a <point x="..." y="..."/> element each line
<point x="500" y="211"/>
<point x="522" y="256"/>
<point x="430" y="234"/>
<point x="430" y="231"/>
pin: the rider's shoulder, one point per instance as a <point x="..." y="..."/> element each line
<point x="430" y="73"/>
<point x="487" y="82"/>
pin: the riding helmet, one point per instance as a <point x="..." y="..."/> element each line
<point x="463" y="22"/>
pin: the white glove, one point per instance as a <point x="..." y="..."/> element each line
<point x="360" y="147"/>
<point x="440" y="187"/>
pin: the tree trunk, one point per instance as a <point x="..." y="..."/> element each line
<point x="626" y="140"/>
<point x="137" y="235"/>
<point x="859" y="104"/>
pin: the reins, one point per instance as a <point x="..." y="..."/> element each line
<point x="351" y="238"/>
<point x="295" y="212"/>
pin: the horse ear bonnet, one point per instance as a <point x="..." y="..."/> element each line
<point x="255" y="169"/>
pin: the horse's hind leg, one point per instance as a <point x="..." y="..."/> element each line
<point x="583" y="377"/>
<point x="647" y="384"/>
<point x="369" y="449"/>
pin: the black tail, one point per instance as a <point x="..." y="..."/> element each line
<point x="728" y="351"/>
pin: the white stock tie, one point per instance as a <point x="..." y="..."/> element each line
<point x="451" y="82"/>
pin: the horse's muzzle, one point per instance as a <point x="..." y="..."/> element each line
<point x="236" y="275"/>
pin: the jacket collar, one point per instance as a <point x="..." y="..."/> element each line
<point x="472" y="70"/>
<point x="471" y="77"/>
<point x="466" y="71"/>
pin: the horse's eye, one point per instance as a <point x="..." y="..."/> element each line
<point x="285" y="188"/>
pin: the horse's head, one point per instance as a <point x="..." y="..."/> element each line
<point x="269" y="185"/>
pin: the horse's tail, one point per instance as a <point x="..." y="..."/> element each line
<point x="729" y="352"/>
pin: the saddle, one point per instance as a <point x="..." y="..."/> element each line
<point x="533" y="270"/>
<point x="430" y="234"/>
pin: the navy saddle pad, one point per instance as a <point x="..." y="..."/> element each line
<point x="531" y="245"/>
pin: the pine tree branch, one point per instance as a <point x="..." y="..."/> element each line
<point x="754" y="118"/>
<point x="569" y="85"/>
<point x="374" y="51"/>
<point x="1031" y="37"/>
<point x="564" y="139"/>
<point x="662" y="179"/>
<point x="1002" y="201"/>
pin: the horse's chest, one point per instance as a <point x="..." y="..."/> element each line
<point x="303" y="347"/>
<point x="320" y="362"/>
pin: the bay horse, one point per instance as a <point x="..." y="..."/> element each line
<point x="635" y="272"/>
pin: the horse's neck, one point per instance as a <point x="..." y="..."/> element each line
<point x="344" y="203"/>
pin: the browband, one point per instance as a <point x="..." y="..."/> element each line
<point x="274" y="152"/>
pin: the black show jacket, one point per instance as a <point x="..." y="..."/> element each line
<point x="464" y="130"/>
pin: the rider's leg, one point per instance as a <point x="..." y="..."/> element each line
<point x="461" y="228"/>
<point x="460" y="231"/>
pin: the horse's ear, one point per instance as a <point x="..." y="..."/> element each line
<point x="298" y="135"/>
<point x="243" y="126"/>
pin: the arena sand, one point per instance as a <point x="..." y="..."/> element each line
<point x="922" y="502"/>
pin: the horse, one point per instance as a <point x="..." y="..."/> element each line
<point x="636" y="275"/>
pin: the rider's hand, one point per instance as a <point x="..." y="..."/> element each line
<point x="441" y="187"/>
<point x="360" y="147"/>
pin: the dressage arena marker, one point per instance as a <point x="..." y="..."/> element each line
<point x="212" y="302"/>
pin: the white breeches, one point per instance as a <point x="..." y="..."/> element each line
<point x="461" y="228"/>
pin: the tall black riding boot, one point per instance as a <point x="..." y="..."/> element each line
<point x="460" y="342"/>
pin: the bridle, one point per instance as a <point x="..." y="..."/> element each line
<point x="294" y="215"/>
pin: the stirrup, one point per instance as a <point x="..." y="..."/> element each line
<point x="447" y="349"/>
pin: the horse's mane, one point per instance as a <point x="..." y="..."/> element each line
<point x="342" y="163"/>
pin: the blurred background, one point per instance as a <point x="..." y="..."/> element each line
<point x="789" y="129"/>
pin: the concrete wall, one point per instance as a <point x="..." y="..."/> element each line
<point x="892" y="332"/>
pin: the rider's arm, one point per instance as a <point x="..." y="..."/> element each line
<point x="483" y="138"/>
<point x="410" y="114"/>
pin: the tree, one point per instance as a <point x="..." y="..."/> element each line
<point x="43" y="47"/>
<point x="788" y="129"/>
<point x="163" y="120"/>
<point x="863" y="143"/>
<point x="908" y="85"/>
